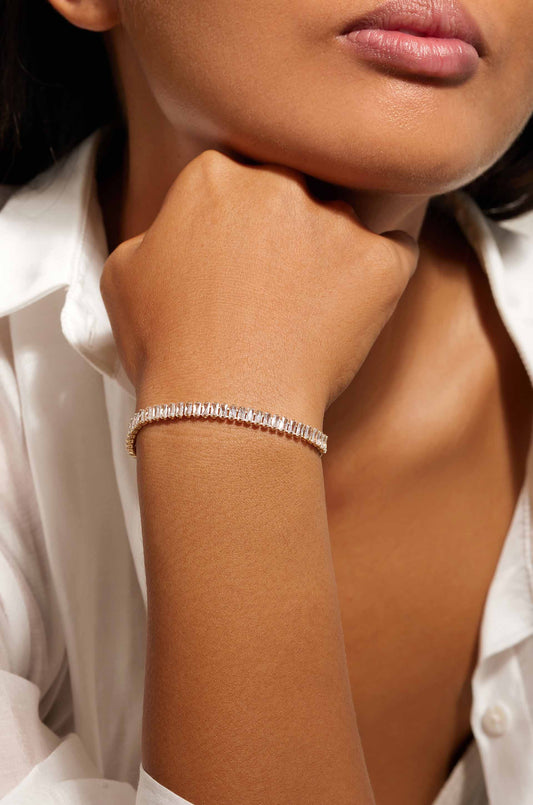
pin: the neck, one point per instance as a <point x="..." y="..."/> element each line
<point x="154" y="154"/>
<point x="157" y="151"/>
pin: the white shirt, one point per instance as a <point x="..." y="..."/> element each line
<point x="72" y="582"/>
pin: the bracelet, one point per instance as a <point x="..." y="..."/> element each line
<point x="212" y="410"/>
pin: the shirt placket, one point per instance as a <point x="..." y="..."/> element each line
<point x="503" y="727"/>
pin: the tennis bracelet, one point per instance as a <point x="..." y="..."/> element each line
<point x="232" y="413"/>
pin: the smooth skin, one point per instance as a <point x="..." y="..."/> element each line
<point x="313" y="623"/>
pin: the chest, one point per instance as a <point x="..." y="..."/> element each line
<point x="418" y="513"/>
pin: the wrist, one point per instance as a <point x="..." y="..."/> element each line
<point x="292" y="401"/>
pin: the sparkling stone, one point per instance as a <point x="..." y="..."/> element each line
<point x="272" y="420"/>
<point x="210" y="409"/>
<point x="240" y="414"/>
<point x="313" y="435"/>
<point x="232" y="412"/>
<point x="172" y="410"/>
<point x="188" y="408"/>
<point x="280" y="425"/>
<point x="249" y="415"/>
<point x="258" y="416"/>
<point x="218" y="410"/>
<point x="265" y="419"/>
<point x="306" y="432"/>
<point x="181" y="408"/>
<point x="288" y="426"/>
<point x="298" y="430"/>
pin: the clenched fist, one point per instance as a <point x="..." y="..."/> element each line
<point x="247" y="289"/>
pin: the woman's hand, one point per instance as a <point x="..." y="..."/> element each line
<point x="247" y="288"/>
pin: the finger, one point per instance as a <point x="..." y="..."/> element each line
<point x="407" y="247"/>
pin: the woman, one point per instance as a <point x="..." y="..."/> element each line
<point x="290" y="208"/>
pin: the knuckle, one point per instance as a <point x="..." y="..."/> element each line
<point x="209" y="163"/>
<point x="118" y="262"/>
<point x="341" y="206"/>
<point x="204" y="173"/>
<point x="387" y="253"/>
<point x="389" y="270"/>
<point x="211" y="159"/>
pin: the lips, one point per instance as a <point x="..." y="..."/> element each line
<point x="440" y="19"/>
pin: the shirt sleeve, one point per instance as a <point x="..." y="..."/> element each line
<point x="42" y="760"/>
<point x="150" y="792"/>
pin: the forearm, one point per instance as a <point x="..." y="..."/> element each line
<point x="247" y="694"/>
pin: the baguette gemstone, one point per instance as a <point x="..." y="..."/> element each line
<point x="236" y="413"/>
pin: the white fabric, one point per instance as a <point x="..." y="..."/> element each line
<point x="465" y="785"/>
<point x="72" y="584"/>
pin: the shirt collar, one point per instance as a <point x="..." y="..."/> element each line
<point x="52" y="236"/>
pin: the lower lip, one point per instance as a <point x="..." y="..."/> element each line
<point x="420" y="55"/>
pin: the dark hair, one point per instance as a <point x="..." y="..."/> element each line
<point x="57" y="86"/>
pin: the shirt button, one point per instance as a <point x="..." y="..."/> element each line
<point x="496" y="720"/>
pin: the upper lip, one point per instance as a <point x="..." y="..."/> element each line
<point x="445" y="19"/>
